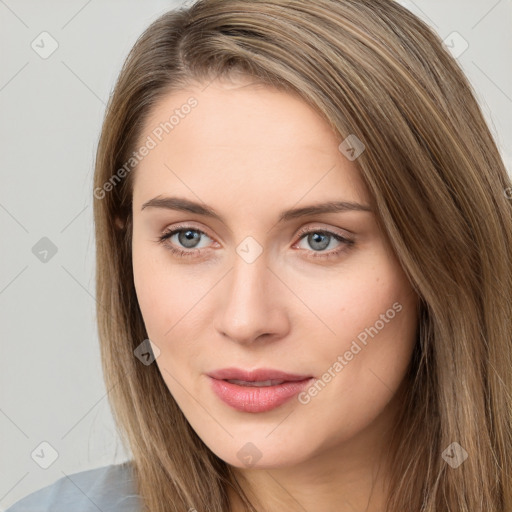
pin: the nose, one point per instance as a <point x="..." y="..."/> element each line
<point x="251" y="304"/>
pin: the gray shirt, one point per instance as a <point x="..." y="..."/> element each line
<point x="106" y="489"/>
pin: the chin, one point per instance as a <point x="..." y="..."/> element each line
<point x="259" y="452"/>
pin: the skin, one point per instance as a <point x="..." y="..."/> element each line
<point x="249" y="152"/>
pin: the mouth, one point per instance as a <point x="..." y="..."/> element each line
<point x="258" y="390"/>
<point x="260" y="375"/>
<point x="263" y="383"/>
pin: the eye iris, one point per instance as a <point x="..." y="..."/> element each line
<point x="188" y="236"/>
<point x="316" y="238"/>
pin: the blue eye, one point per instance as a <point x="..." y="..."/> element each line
<point x="188" y="236"/>
<point x="320" y="239"/>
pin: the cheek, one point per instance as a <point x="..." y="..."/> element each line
<point x="170" y="298"/>
<point x="347" y="303"/>
<point x="368" y="316"/>
<point x="169" y="306"/>
<point x="362" y="366"/>
<point x="152" y="288"/>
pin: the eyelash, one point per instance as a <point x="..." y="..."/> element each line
<point x="192" y="253"/>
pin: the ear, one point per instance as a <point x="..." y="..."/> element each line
<point x="120" y="223"/>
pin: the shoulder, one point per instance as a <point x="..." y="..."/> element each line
<point x="108" y="488"/>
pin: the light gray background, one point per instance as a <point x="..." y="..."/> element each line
<point x="51" y="388"/>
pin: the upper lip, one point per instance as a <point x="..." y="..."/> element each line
<point x="257" y="375"/>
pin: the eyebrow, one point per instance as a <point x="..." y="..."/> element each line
<point x="185" y="205"/>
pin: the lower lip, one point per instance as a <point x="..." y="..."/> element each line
<point x="257" y="399"/>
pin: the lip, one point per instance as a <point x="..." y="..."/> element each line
<point x="256" y="399"/>
<point x="259" y="374"/>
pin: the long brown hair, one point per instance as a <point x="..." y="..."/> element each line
<point x="372" y="69"/>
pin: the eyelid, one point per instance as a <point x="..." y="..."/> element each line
<point x="184" y="226"/>
<point x="169" y="232"/>
<point x="345" y="233"/>
<point x="308" y="229"/>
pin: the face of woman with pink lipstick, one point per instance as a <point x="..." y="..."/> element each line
<point x="258" y="260"/>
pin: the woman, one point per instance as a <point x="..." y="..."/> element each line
<point x="304" y="237"/>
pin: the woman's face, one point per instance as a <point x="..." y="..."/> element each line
<point x="318" y="295"/>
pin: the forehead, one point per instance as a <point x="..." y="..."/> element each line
<point x="242" y="137"/>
